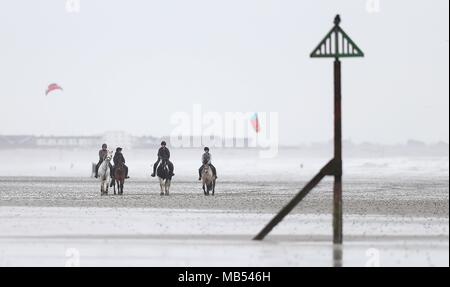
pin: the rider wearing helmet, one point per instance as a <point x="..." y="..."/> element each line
<point x="206" y="159"/>
<point x="119" y="159"/>
<point x="163" y="154"/>
<point x="101" y="155"/>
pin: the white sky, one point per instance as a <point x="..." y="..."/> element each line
<point x="129" y="65"/>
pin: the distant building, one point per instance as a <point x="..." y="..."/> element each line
<point x="117" y="138"/>
<point x="113" y="139"/>
<point x="218" y="142"/>
<point x="17" y="141"/>
<point x="67" y="141"/>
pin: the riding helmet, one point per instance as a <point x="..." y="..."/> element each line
<point x="118" y="149"/>
<point x="206" y="148"/>
<point x="104" y="145"/>
<point x="163" y="143"/>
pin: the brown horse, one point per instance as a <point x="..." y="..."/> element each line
<point x="119" y="178"/>
<point x="208" y="179"/>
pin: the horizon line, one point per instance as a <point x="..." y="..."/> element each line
<point x="348" y="140"/>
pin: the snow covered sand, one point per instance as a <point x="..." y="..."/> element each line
<point x="55" y="221"/>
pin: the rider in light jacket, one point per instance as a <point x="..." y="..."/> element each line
<point x="101" y="157"/>
<point x="206" y="159"/>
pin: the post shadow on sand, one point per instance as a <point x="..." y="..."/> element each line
<point x="336" y="44"/>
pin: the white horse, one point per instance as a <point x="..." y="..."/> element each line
<point x="208" y="180"/>
<point x="165" y="177"/>
<point x="104" y="174"/>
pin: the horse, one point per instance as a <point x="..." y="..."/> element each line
<point x="119" y="178"/>
<point x="165" y="177"/>
<point x="104" y="174"/>
<point x="208" y="180"/>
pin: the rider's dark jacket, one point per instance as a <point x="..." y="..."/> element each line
<point x="163" y="153"/>
<point x="118" y="158"/>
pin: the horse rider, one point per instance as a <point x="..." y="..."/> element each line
<point x="163" y="154"/>
<point x="119" y="159"/>
<point x="206" y="159"/>
<point x="102" y="155"/>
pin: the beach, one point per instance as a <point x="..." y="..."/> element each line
<point x="63" y="221"/>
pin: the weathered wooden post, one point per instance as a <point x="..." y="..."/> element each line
<point x="336" y="44"/>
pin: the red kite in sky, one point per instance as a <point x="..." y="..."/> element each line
<point x="255" y="123"/>
<point x="52" y="87"/>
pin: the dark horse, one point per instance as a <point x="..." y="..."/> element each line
<point x="119" y="178"/>
<point x="165" y="177"/>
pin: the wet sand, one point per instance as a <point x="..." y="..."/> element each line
<point x="401" y="197"/>
<point x="64" y="221"/>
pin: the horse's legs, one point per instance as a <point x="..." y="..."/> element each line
<point x="102" y="187"/>
<point x="213" y="187"/>
<point x="167" y="186"/>
<point x="208" y="188"/>
<point x="161" y="185"/>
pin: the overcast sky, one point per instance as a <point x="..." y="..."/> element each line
<point x="129" y="65"/>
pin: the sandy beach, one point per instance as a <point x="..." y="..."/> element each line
<point x="54" y="221"/>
